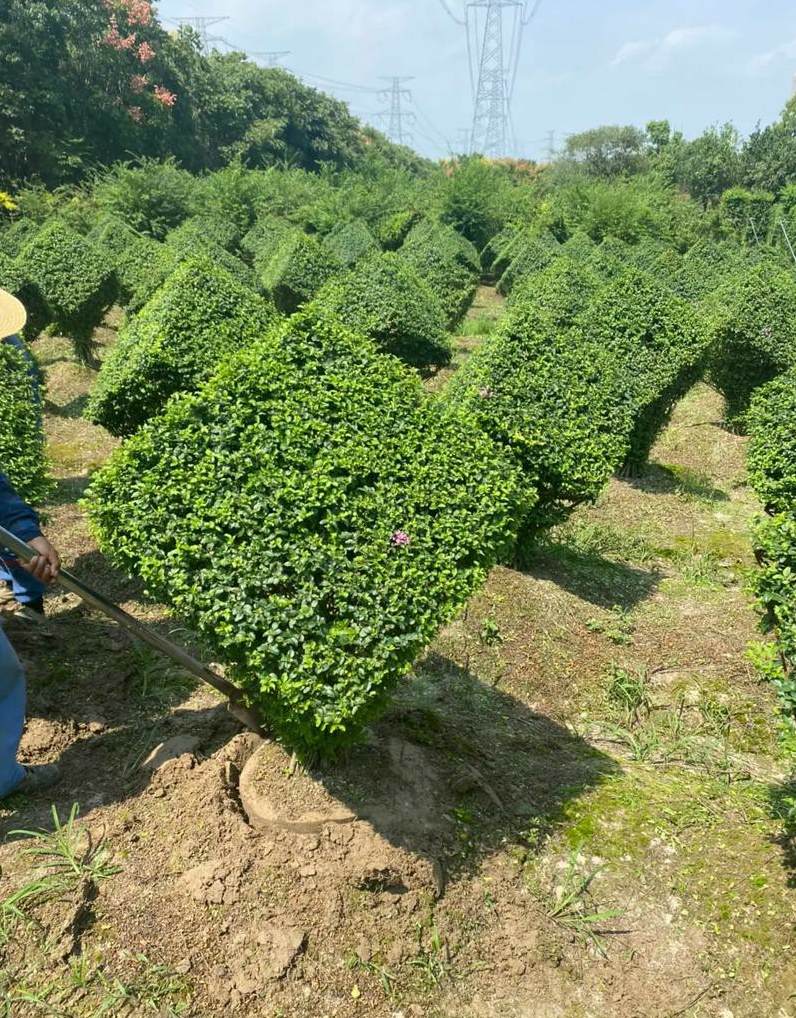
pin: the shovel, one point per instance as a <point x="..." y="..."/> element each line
<point x="236" y="706"/>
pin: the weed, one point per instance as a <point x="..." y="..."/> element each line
<point x="572" y="908"/>
<point x="617" y="627"/>
<point x="388" y="979"/>
<point x="489" y="633"/>
<point x="589" y="537"/>
<point x="479" y="325"/>
<point x="157" y="681"/>
<point x="627" y="692"/>
<point x="432" y="961"/>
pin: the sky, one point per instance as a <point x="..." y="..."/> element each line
<point x="583" y="63"/>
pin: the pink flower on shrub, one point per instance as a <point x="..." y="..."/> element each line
<point x="136" y="114"/>
<point x="139" y="12"/>
<point x="139" y="82"/>
<point x="165" y="97"/>
<point x="145" y="53"/>
<point x="400" y="539"/>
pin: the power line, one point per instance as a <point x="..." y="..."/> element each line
<point x="272" y="58"/>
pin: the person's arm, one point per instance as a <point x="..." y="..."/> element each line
<point x="18" y="517"/>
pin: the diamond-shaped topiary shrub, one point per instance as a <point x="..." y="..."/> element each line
<point x="15" y="281"/>
<point x="14" y="237"/>
<point x="315" y="516"/>
<point x="141" y="264"/>
<point x="298" y="270"/>
<point x="393" y="229"/>
<point x="753" y="315"/>
<point x="384" y="299"/>
<point x="660" y="343"/>
<point x="561" y="291"/>
<point x="532" y="256"/>
<point x="348" y="242"/>
<point x="447" y="262"/>
<point x="262" y="241"/>
<point x="74" y="279"/>
<point x="175" y="342"/>
<point x="22" y="452"/>
<point x="555" y="401"/>
<point x="190" y="241"/>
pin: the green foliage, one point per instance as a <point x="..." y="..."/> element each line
<point x="151" y="197"/>
<point x="348" y="242"/>
<point x="315" y="517"/>
<point x="14" y="237"/>
<point x="771" y="421"/>
<point x="201" y="314"/>
<point x="560" y="292"/>
<point x="190" y="240"/>
<point x="659" y="342"/>
<point x="533" y="256"/>
<point x="754" y="327"/>
<point x="393" y="230"/>
<point x="74" y="279"/>
<point x="262" y="241"/>
<point x="384" y="299"/>
<point x="447" y="262"/>
<point x="748" y="212"/>
<point x="609" y="151"/>
<point x="579" y="246"/>
<point x="707" y="166"/>
<point x="474" y="200"/>
<point x="297" y="271"/>
<point x="21" y="436"/>
<point x="141" y="264"/>
<point x="551" y="398"/>
<point x="12" y="276"/>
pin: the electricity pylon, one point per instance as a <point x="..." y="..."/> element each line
<point x="396" y="115"/>
<point x="272" y="58"/>
<point x="200" y="26"/>
<point x="494" y="31"/>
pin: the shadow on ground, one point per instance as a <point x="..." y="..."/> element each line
<point x="659" y="479"/>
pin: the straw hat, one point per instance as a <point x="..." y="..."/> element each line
<point x="12" y="315"/>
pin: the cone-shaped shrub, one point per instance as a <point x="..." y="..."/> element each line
<point x="262" y="241"/>
<point x="199" y="230"/>
<point x="393" y="230"/>
<point x="384" y="299"/>
<point x="579" y="246"/>
<point x="660" y="342"/>
<point x="754" y="324"/>
<point x="14" y="279"/>
<point x="315" y="516"/>
<point x="445" y="261"/>
<point x="74" y="279"/>
<point x="297" y="271"/>
<point x="496" y="245"/>
<point x="561" y="291"/>
<point x="555" y="401"/>
<point x="175" y="342"/>
<point x="348" y="242"/>
<point x="771" y="419"/>
<point x="21" y="436"/>
<point x="14" y="237"/>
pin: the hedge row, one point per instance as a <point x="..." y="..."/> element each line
<point x="21" y="435"/>
<point x="175" y="343"/>
<point x="315" y="516"/>
<point x="771" y="419"/>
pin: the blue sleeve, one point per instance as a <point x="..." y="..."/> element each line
<point x="15" y="514"/>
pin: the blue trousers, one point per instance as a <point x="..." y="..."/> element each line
<point x="12" y="716"/>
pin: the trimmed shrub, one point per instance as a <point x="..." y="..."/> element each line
<point x="12" y="276"/>
<point x="315" y="516"/>
<point x="771" y="420"/>
<point x="533" y="256"/>
<point x="297" y="271"/>
<point x="14" y="279"/>
<point x="14" y="237"/>
<point x="348" y="242"/>
<point x="659" y="342"/>
<point x="201" y="229"/>
<point x="560" y="292"/>
<point x="384" y="299"/>
<point x="141" y="264"/>
<point x="444" y="260"/>
<point x="579" y="246"/>
<point x="175" y="343"/>
<point x="495" y="246"/>
<point x="190" y="241"/>
<point x="704" y="268"/>
<point x="754" y="333"/>
<point x="555" y="401"/>
<point x="611" y="258"/>
<point x="260" y="244"/>
<point x="392" y="231"/>
<point x="22" y="454"/>
<point x="74" y="279"/>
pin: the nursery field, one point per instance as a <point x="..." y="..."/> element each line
<point x="478" y="481"/>
<point x="573" y="805"/>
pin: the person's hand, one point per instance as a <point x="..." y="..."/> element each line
<point x="46" y="565"/>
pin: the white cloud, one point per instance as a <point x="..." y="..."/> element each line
<point x="761" y="62"/>
<point x="655" y="54"/>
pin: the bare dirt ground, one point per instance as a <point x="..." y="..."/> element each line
<point x="569" y="811"/>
